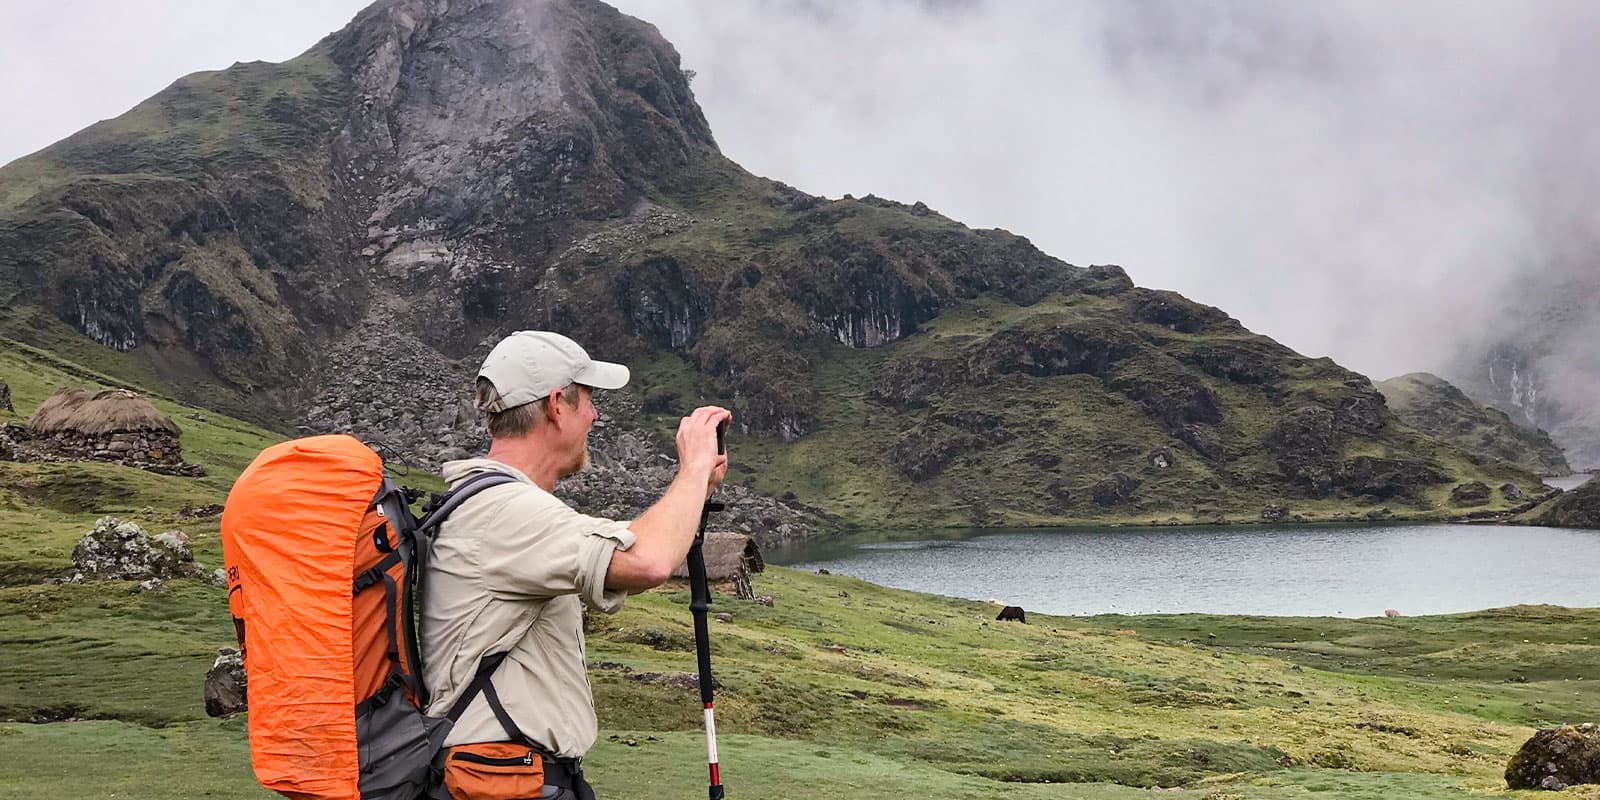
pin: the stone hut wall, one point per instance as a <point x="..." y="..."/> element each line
<point x="153" y="447"/>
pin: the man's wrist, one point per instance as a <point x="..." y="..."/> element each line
<point x="696" y="475"/>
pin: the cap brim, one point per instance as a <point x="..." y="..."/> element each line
<point x="603" y="375"/>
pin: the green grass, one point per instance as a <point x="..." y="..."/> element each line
<point x="840" y="686"/>
<point x="927" y="696"/>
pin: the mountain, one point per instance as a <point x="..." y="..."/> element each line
<point x="1431" y="404"/>
<point x="333" y="242"/>
<point x="1538" y="362"/>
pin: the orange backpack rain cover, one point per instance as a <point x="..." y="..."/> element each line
<point x="297" y="526"/>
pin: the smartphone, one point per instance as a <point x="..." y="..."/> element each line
<point x="722" y="429"/>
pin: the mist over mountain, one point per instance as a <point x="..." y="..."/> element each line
<point x="331" y="243"/>
<point x="1401" y="187"/>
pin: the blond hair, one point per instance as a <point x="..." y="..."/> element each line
<point x="517" y="421"/>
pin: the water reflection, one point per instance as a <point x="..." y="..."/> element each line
<point x="1298" y="570"/>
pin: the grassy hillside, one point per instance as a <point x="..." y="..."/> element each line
<point x="1430" y="404"/>
<point x="905" y="435"/>
<point x="840" y="686"/>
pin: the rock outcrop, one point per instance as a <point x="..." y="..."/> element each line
<point x="1579" y="508"/>
<point x="1556" y="758"/>
<point x="5" y="397"/>
<point x="115" y="550"/>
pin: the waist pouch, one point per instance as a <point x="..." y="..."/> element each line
<point x="493" y="771"/>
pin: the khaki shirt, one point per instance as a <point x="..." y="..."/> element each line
<point x="508" y="571"/>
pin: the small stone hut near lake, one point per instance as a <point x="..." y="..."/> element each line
<point x="731" y="558"/>
<point x="114" y="425"/>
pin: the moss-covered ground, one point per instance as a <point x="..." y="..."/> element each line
<point x="840" y="686"/>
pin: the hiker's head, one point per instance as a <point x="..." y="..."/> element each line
<point x="540" y="384"/>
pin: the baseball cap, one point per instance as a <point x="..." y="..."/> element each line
<point x="529" y="365"/>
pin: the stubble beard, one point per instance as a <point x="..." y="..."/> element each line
<point x="579" y="464"/>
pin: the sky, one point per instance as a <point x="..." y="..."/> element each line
<point x="1367" y="180"/>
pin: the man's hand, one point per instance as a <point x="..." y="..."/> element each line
<point x="664" y="532"/>
<point x="697" y="446"/>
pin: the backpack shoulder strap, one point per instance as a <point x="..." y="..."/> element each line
<point x="442" y="505"/>
<point x="436" y="512"/>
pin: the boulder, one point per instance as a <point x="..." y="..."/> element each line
<point x="5" y="397"/>
<point x="115" y="550"/>
<point x="1511" y="493"/>
<point x="202" y="511"/>
<point x="225" y="687"/>
<point x="1274" y="513"/>
<point x="177" y="543"/>
<point x="1466" y="495"/>
<point x="1556" y="758"/>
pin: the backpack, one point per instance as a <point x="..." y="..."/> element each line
<point x="324" y="561"/>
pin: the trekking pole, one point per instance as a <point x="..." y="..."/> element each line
<point x="699" y="601"/>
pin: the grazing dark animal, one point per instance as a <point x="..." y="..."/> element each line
<point x="1012" y="613"/>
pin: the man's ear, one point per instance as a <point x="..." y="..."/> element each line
<point x="555" y="406"/>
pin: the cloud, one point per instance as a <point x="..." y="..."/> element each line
<point x="67" y="66"/>
<point x="1359" y="179"/>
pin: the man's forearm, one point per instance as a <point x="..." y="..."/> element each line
<point x="664" y="534"/>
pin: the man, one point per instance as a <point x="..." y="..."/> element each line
<point x="513" y="567"/>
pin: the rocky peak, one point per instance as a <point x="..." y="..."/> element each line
<point x="466" y="112"/>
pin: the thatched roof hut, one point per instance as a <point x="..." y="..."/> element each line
<point x="98" y="414"/>
<point x="730" y="559"/>
<point x="115" y="425"/>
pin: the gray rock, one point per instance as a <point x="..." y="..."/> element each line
<point x="1579" y="508"/>
<point x="1474" y="493"/>
<point x="5" y="397"/>
<point x="219" y="577"/>
<point x="1568" y="755"/>
<point x="1274" y="513"/>
<point x="178" y="543"/>
<point x="452" y="454"/>
<point x="116" y="550"/>
<point x="152" y="585"/>
<point x="225" y="687"/>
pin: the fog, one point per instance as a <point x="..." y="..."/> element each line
<point x="1371" y="181"/>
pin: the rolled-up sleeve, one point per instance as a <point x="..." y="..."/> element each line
<point x="539" y="548"/>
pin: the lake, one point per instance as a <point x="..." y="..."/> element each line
<point x="1299" y="570"/>
<point x="1569" y="482"/>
